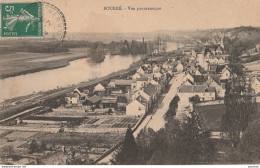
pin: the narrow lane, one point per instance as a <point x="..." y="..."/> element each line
<point x="155" y="121"/>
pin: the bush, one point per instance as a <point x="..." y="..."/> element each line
<point x="195" y="99"/>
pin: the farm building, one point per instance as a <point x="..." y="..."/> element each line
<point x="109" y="102"/>
<point x="72" y="98"/>
<point x="123" y="84"/>
<point x="205" y="93"/>
<point x="93" y="101"/>
<point x="99" y="88"/>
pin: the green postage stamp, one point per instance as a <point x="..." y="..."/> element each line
<point x="21" y="19"/>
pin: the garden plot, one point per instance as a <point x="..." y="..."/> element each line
<point x="110" y="122"/>
<point x="21" y="135"/>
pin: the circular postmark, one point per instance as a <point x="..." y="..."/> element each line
<point x="39" y="26"/>
<point x="51" y="23"/>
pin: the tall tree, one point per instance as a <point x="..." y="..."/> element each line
<point x="146" y="145"/>
<point x="177" y="143"/>
<point x="127" y="154"/>
<point x="250" y="146"/>
<point x="171" y="112"/>
<point x="239" y="105"/>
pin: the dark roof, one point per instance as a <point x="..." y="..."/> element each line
<point x="199" y="78"/>
<point x="190" y="81"/>
<point x="121" y="99"/>
<point x="213" y="67"/>
<point x="147" y="75"/>
<point x="94" y="99"/>
<point x="195" y="89"/>
<point x="143" y="79"/>
<point x="220" y="68"/>
<point x="123" y="82"/>
<point x="150" y="89"/>
<point x="219" y="48"/>
<point x="141" y="99"/>
<point x="72" y="94"/>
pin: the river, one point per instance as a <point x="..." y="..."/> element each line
<point x="77" y="71"/>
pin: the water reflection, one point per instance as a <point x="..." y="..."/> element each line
<point x="78" y="71"/>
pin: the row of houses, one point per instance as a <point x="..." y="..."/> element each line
<point x="206" y="73"/>
<point x="207" y="79"/>
<point x="133" y="94"/>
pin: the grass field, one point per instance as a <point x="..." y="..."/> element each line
<point x="211" y="115"/>
<point x="26" y="62"/>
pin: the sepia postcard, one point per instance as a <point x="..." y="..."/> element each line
<point x="129" y="82"/>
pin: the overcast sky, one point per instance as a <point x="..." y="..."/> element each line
<point x="90" y="16"/>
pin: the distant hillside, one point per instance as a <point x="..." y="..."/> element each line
<point x="248" y="36"/>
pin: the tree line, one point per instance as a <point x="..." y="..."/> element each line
<point x="177" y="143"/>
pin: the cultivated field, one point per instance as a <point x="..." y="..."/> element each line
<point x="115" y="122"/>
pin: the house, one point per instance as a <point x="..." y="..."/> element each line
<point x="158" y="75"/>
<point x="199" y="79"/>
<point x="156" y="68"/>
<point x="141" y="82"/>
<point x="187" y="82"/>
<point x="257" y="46"/>
<point x="205" y="93"/>
<point x="124" y="84"/>
<point x="256" y="85"/>
<point x="121" y="103"/>
<point x="113" y="90"/>
<point x="186" y="52"/>
<point x="188" y="76"/>
<point x="219" y="50"/>
<point x="171" y="59"/>
<point x="197" y="72"/>
<point x="81" y="93"/>
<point x="144" y="101"/>
<point x="72" y="98"/>
<point x="140" y="70"/>
<point x="136" y="76"/>
<point x="212" y="50"/>
<point x="225" y="73"/>
<point x="179" y="67"/>
<point x="109" y="102"/>
<point x="93" y="102"/>
<point x="153" y="82"/>
<point x="135" y="108"/>
<point x="99" y="88"/>
<point x="213" y="68"/>
<point x="220" y="88"/>
<point x="221" y="61"/>
<point x="151" y="90"/>
<point x="142" y="93"/>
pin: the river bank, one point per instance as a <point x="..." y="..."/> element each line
<point x="48" y="66"/>
<point x="22" y="63"/>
